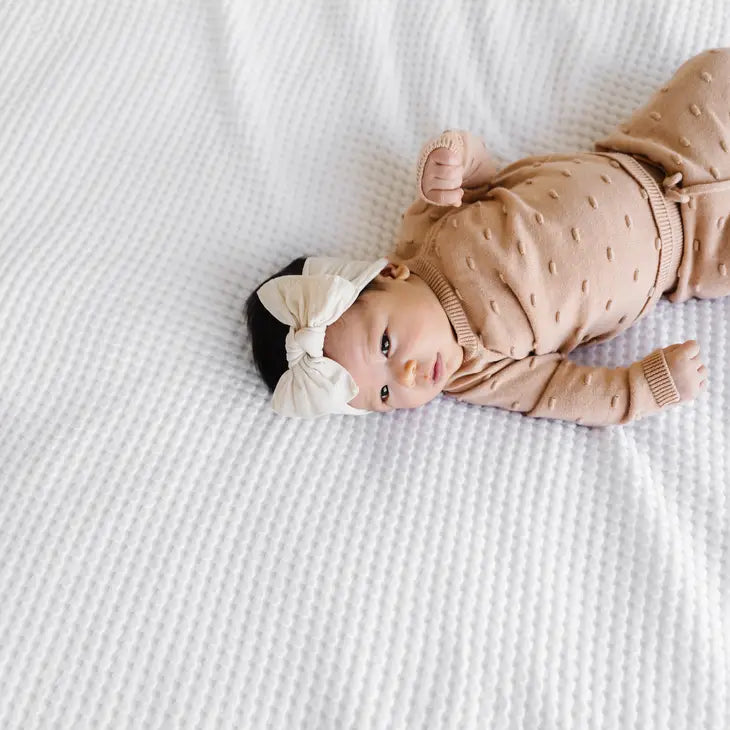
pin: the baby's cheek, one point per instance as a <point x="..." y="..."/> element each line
<point x="415" y="400"/>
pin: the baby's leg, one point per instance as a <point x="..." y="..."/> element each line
<point x="685" y="128"/>
<point x="704" y="271"/>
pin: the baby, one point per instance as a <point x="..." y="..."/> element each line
<point x="498" y="275"/>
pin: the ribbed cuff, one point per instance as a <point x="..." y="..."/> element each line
<point x="659" y="377"/>
<point x="451" y="140"/>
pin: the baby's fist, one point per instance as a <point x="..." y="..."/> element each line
<point x="688" y="372"/>
<point x="443" y="175"/>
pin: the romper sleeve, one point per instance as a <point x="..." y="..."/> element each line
<point x="479" y="168"/>
<point x="553" y="386"/>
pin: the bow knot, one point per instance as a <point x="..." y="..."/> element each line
<point x="671" y="191"/>
<point x="304" y="341"/>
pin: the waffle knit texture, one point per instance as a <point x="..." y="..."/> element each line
<point x="173" y="554"/>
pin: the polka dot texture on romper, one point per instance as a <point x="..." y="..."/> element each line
<point x="569" y="225"/>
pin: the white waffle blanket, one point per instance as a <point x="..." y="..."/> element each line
<point x="173" y="554"/>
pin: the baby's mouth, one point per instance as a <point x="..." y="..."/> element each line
<point x="438" y="369"/>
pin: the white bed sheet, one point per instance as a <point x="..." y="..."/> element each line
<point x="174" y="555"/>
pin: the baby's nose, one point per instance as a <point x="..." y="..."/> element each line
<point x="407" y="375"/>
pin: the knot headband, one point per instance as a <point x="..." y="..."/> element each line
<point x="315" y="385"/>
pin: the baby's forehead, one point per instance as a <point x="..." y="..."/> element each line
<point x="358" y="321"/>
<point x="361" y="315"/>
<point x="372" y="300"/>
<point x="369" y="308"/>
<point x="352" y="325"/>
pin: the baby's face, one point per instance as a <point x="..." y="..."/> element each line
<point x="389" y="341"/>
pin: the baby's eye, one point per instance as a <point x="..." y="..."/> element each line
<point x="385" y="348"/>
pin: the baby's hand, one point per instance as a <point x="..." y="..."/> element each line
<point x="688" y="372"/>
<point x="443" y="175"/>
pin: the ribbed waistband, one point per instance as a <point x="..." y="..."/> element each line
<point x="666" y="214"/>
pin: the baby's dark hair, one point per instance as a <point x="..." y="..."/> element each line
<point x="268" y="335"/>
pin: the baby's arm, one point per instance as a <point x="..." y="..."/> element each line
<point x="551" y="386"/>
<point x="448" y="164"/>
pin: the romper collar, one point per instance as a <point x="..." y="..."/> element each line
<point x="449" y="301"/>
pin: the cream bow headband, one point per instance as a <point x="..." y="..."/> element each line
<point x="315" y="385"/>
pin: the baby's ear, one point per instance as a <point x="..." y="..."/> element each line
<point x="396" y="271"/>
